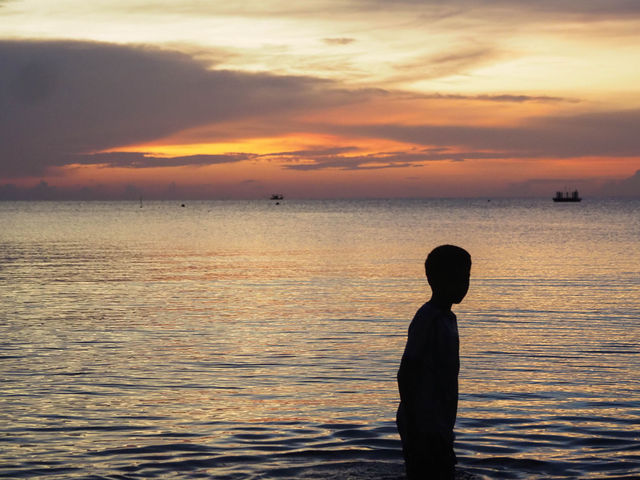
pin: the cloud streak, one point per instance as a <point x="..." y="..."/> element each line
<point x="528" y="11"/>
<point x="432" y="66"/>
<point x="606" y="134"/>
<point x="339" y="41"/>
<point x="346" y="158"/>
<point x="333" y="8"/>
<point x="502" y="98"/>
<point x="144" y="160"/>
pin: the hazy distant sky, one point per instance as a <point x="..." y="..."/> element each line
<point x="320" y="98"/>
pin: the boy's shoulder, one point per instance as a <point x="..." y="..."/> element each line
<point x="429" y="311"/>
<point x="429" y="318"/>
<point x="424" y="319"/>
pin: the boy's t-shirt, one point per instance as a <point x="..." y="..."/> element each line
<point x="428" y="375"/>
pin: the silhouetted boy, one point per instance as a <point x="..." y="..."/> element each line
<point x="428" y="375"/>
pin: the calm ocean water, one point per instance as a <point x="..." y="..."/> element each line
<point x="239" y="340"/>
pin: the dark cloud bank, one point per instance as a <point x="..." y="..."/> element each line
<point x="62" y="100"/>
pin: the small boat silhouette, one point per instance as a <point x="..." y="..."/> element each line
<point x="277" y="196"/>
<point x="567" y="197"/>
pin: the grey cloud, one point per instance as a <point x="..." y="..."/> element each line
<point x="626" y="187"/>
<point x="315" y="152"/>
<point x="594" y="9"/>
<point x="436" y="8"/>
<point x="142" y="160"/>
<point x="339" y="41"/>
<point x="335" y="158"/>
<point x="611" y="134"/>
<point x="443" y="64"/>
<point x="507" y="98"/>
<point x="64" y="98"/>
<point x="463" y="57"/>
<point x="535" y="187"/>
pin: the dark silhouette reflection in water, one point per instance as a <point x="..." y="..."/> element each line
<point x="428" y="374"/>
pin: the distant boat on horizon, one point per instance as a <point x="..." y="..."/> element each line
<point x="567" y="197"/>
<point x="277" y="196"/>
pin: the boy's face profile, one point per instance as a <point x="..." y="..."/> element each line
<point x="452" y="285"/>
<point x="460" y="284"/>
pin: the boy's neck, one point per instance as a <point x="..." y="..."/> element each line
<point x="441" y="303"/>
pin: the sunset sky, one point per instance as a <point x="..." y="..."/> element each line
<point x="318" y="99"/>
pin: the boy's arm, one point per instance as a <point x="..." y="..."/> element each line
<point x="416" y="376"/>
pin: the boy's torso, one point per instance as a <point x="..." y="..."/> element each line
<point x="434" y="343"/>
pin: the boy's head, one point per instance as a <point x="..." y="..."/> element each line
<point x="448" y="268"/>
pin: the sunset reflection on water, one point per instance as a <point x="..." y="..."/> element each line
<point x="237" y="339"/>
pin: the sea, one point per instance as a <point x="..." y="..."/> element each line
<point x="261" y="339"/>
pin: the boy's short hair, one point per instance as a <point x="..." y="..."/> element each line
<point x="445" y="258"/>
